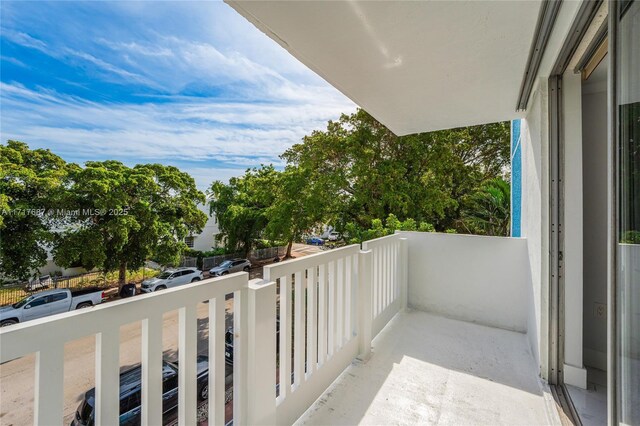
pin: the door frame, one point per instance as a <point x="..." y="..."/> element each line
<point x="556" y="294"/>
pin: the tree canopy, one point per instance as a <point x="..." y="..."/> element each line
<point x="425" y="176"/>
<point x="241" y="206"/>
<point x="104" y="215"/>
<point x="31" y="184"/>
<point x="127" y="215"/>
<point x="356" y="174"/>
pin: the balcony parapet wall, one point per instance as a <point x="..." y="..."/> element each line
<point x="480" y="279"/>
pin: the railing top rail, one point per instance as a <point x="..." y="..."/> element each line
<point x="277" y="270"/>
<point x="376" y="242"/>
<point x="25" y="338"/>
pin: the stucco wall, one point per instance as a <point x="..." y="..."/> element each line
<point x="472" y="278"/>
<point x="206" y="240"/>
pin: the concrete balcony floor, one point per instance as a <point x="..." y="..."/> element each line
<point x="427" y="369"/>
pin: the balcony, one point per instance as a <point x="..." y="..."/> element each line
<point x="409" y="328"/>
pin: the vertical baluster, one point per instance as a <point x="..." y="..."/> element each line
<point x="322" y="314"/>
<point x="396" y="289"/>
<point x="331" y="305"/>
<point x="240" y="358"/>
<point x="404" y="273"/>
<point x="217" y="374"/>
<point x="339" y="304"/>
<point x="299" y="318"/>
<point x="107" y="395"/>
<point x="356" y="279"/>
<point x="380" y="280"/>
<point x="285" y="336"/>
<point x="392" y="266"/>
<point x="374" y="282"/>
<point x="49" y="380"/>
<point x="365" y="305"/>
<point x="347" y="298"/>
<point x="261" y="373"/>
<point x="392" y="289"/>
<point x="312" y="324"/>
<point x="387" y="270"/>
<point x="187" y="350"/>
<point x="152" y="370"/>
<point x="383" y="277"/>
<point x="386" y="276"/>
<point x="372" y="276"/>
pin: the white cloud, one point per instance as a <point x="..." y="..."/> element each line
<point x="253" y="101"/>
<point x="24" y="39"/>
<point x="105" y="66"/>
<point x="192" y="129"/>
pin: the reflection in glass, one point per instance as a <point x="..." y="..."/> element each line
<point x="628" y="306"/>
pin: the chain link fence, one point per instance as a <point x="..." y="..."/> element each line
<point x="188" y="262"/>
<point x="213" y="261"/>
<point x="267" y="253"/>
<point x="11" y="293"/>
<point x="255" y="255"/>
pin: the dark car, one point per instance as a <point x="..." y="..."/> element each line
<point x="130" y="393"/>
<point x="315" y="241"/>
<point x="228" y="343"/>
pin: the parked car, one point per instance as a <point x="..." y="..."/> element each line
<point x="131" y="389"/>
<point x="39" y="283"/>
<point x="228" y="343"/>
<point x="50" y="302"/>
<point x="315" y="241"/>
<point x="171" y="278"/>
<point x="334" y="236"/>
<point x="230" y="266"/>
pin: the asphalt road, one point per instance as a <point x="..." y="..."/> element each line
<point x="17" y="376"/>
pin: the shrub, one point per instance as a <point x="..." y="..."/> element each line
<point x="426" y="227"/>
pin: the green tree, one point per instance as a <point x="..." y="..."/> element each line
<point x="299" y="205"/>
<point x="241" y="206"/>
<point x="488" y="211"/>
<point x="371" y="173"/>
<point x="31" y="184"/>
<point x="127" y="215"/>
<point x="378" y="229"/>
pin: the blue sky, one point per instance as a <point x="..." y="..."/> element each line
<point x="191" y="84"/>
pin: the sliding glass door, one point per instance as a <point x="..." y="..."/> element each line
<point x="627" y="339"/>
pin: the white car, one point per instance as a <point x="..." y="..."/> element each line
<point x="50" y="302"/>
<point x="171" y="278"/>
<point x="334" y="236"/>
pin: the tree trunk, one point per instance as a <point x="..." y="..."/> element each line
<point x="122" y="276"/>
<point x="289" y="246"/>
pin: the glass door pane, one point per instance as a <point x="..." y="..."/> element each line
<point x="628" y="288"/>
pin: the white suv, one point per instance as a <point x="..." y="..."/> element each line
<point x="334" y="236"/>
<point x="171" y="278"/>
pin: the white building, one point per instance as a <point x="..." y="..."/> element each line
<point x="431" y="328"/>
<point x="205" y="240"/>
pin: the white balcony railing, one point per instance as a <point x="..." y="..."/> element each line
<point x="388" y="274"/>
<point x="328" y="306"/>
<point x="47" y="336"/>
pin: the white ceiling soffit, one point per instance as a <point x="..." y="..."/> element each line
<point x="415" y="66"/>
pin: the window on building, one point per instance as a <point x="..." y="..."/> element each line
<point x="189" y="241"/>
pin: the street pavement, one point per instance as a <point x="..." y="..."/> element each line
<point x="17" y="376"/>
